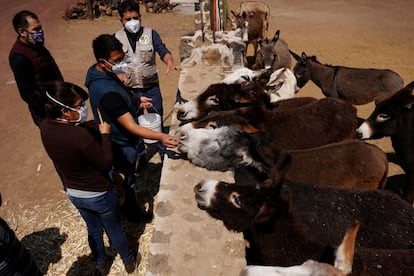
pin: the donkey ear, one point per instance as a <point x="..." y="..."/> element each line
<point x="406" y="95"/>
<point x="294" y="55"/>
<point x="409" y="89"/>
<point x="408" y="103"/>
<point x="276" y="37"/>
<point x="248" y="128"/>
<point x="345" y="252"/>
<point x="282" y="164"/>
<point x="303" y="58"/>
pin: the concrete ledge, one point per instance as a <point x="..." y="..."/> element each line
<point x="186" y="240"/>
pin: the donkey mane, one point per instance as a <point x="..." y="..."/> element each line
<point x="313" y="58"/>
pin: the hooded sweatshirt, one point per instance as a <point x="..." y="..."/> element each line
<point x="99" y="84"/>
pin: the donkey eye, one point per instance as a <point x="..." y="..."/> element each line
<point x="235" y="199"/>
<point x="212" y="125"/>
<point x="212" y="100"/>
<point x="383" y="117"/>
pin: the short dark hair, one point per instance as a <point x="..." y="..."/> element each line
<point x="20" y="19"/>
<point x="65" y="92"/>
<point x="128" y="6"/>
<point x="104" y="44"/>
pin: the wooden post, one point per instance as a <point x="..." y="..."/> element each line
<point x="89" y="4"/>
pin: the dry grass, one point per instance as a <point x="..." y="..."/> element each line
<point x="56" y="236"/>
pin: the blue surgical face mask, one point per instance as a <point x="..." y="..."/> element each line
<point x="82" y="111"/>
<point x="83" y="114"/>
<point x="37" y="37"/>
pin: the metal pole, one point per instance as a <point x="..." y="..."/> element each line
<point x="212" y="17"/>
<point x="201" y="3"/>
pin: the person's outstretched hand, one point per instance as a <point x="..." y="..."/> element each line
<point x="169" y="141"/>
<point x="172" y="66"/>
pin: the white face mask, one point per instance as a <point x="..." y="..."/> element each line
<point x="82" y="111"/>
<point x="133" y="26"/>
<point x="83" y="114"/>
<point x="120" y="68"/>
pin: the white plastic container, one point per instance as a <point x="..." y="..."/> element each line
<point x="151" y="121"/>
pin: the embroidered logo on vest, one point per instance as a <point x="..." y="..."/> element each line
<point x="144" y="39"/>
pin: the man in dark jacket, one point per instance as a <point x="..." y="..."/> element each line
<point x="31" y="62"/>
<point x="118" y="108"/>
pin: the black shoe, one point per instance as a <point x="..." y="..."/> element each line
<point x="104" y="269"/>
<point x="130" y="266"/>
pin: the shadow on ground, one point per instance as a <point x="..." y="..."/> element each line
<point x="45" y="246"/>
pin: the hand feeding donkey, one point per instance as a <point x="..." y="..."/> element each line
<point x="355" y="85"/>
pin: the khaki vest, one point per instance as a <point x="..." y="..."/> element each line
<point x="142" y="70"/>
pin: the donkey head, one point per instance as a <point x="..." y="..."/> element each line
<point x="301" y="70"/>
<point x="267" y="54"/>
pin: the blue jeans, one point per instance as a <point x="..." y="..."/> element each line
<point x="125" y="160"/>
<point x="101" y="213"/>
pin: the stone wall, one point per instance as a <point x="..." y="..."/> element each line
<point x="224" y="49"/>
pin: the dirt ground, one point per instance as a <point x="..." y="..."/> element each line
<point x="353" y="33"/>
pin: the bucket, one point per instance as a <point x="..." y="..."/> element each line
<point x="151" y="121"/>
